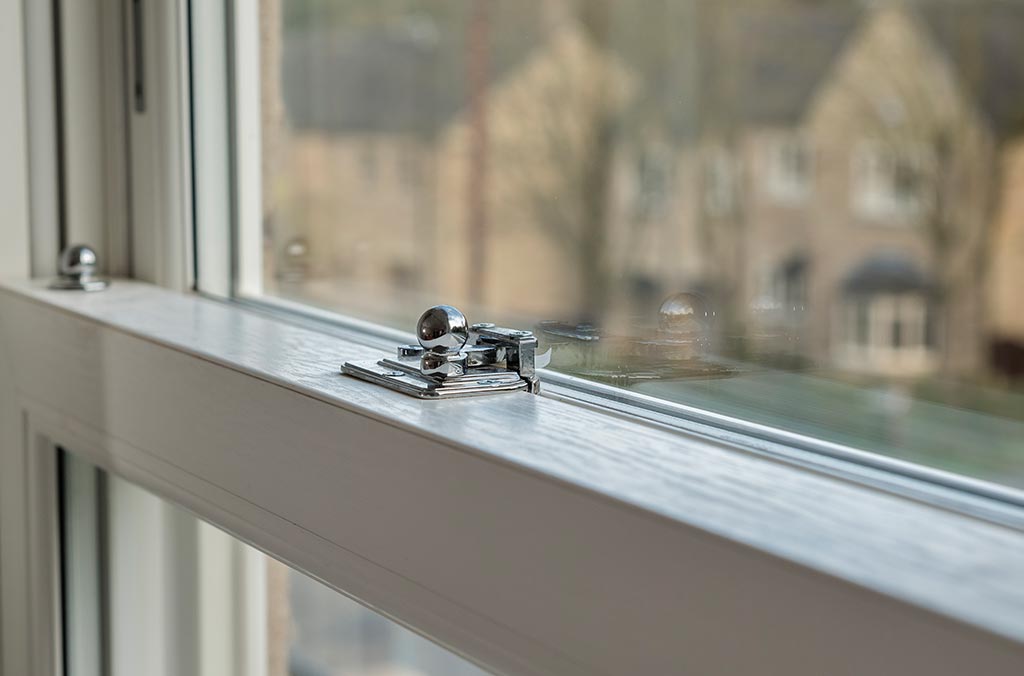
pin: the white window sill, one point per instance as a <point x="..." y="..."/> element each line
<point x="536" y="535"/>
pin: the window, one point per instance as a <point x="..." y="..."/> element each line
<point x="652" y="182"/>
<point x="890" y="305"/>
<point x="720" y="183"/>
<point x="134" y="565"/>
<point x="890" y="185"/>
<point x="506" y="528"/>
<point x="599" y="156"/>
<point x="789" y="168"/>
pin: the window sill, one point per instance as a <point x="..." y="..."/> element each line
<point x="536" y="535"/>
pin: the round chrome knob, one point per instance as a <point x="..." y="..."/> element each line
<point x="442" y="328"/>
<point x="77" y="261"/>
<point x="77" y="269"/>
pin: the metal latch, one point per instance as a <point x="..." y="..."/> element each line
<point x="76" y="270"/>
<point x="454" y="359"/>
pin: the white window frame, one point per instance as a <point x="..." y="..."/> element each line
<point x="531" y="534"/>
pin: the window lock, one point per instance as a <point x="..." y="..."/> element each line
<point x="456" y="359"/>
<point x="76" y="270"/>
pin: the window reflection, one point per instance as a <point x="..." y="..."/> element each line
<point x="832" y="186"/>
<point x="314" y="631"/>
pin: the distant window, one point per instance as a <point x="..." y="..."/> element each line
<point x="890" y="333"/>
<point x="652" y="173"/>
<point x="862" y="322"/>
<point x="719" y="183"/>
<point x="788" y="169"/>
<point x="889" y="183"/>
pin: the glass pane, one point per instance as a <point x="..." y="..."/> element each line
<point x="81" y="488"/>
<point x="315" y="631"/>
<point x="186" y="598"/>
<point x="806" y="214"/>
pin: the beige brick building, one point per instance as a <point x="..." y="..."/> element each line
<point x="828" y="187"/>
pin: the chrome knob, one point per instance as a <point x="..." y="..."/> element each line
<point x="77" y="269"/>
<point x="442" y="328"/>
<point x="77" y="261"/>
<point x="454" y="359"/>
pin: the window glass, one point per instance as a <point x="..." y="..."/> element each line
<point x="183" y="597"/>
<point x="805" y="214"/>
<point x="315" y="631"/>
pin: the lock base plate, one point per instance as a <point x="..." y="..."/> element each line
<point x="73" y="284"/>
<point x="404" y="376"/>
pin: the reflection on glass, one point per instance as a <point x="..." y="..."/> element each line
<point x="314" y="631"/>
<point x="832" y="187"/>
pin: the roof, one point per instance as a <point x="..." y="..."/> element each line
<point x="985" y="45"/>
<point x="361" y="81"/>
<point x="786" y="53"/>
<point x="887" y="272"/>
<point x="757" y="64"/>
<point x="406" y="76"/>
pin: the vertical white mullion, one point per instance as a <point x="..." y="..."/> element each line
<point x="83" y="628"/>
<point x="161" y="212"/>
<point x="212" y="147"/>
<point x="227" y="106"/>
<point x="251" y="610"/>
<point x="84" y="151"/>
<point x="14" y="226"/>
<point x="14" y="631"/>
<point x="216" y="597"/>
<point x="43" y="558"/>
<point x="41" y="137"/>
<point x="30" y="614"/>
<point x="136" y="604"/>
<point x="232" y="606"/>
<point x="90" y="152"/>
<point x="247" y="111"/>
<point x="113" y="46"/>
<point x="144" y="594"/>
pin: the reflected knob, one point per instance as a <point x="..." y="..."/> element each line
<point x="683" y="313"/>
<point x="442" y="328"/>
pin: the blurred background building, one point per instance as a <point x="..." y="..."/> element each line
<point x="835" y="177"/>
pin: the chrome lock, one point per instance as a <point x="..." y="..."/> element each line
<point x="456" y="359"/>
<point x="77" y="270"/>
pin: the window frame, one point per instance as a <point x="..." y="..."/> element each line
<point x="228" y="231"/>
<point x="123" y="344"/>
<point x="541" y="515"/>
